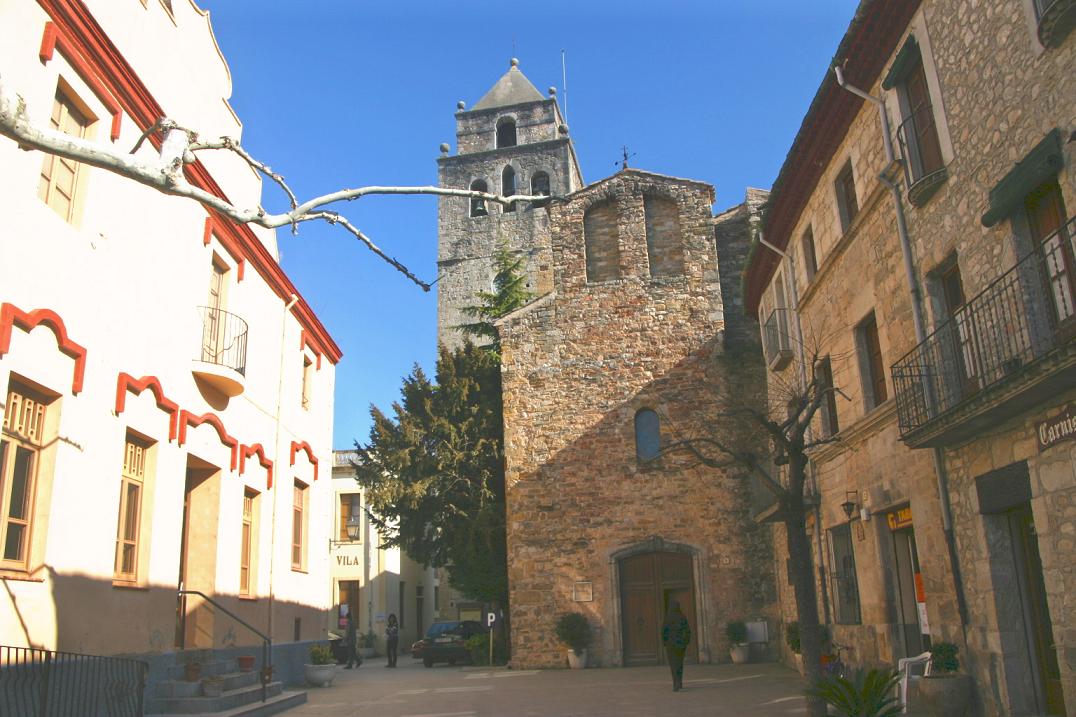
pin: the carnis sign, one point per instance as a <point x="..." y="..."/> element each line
<point x="1061" y="427"/>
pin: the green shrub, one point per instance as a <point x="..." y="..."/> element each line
<point x="321" y="655"/>
<point x="867" y="694"/>
<point x="943" y="660"/>
<point x="736" y="632"/>
<point x="478" y="646"/>
<point x="574" y="631"/>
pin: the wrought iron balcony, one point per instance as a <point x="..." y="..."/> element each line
<point x="223" y="352"/>
<point x="1056" y="20"/>
<point x="776" y="340"/>
<point x="1008" y="348"/>
<point x="919" y="145"/>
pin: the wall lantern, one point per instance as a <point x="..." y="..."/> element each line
<point x="849" y="504"/>
<point x="354" y="531"/>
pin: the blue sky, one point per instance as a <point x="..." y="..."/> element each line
<point x="336" y="93"/>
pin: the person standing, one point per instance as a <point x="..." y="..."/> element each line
<point x="353" y="659"/>
<point x="676" y="635"/>
<point x="392" y="639"/>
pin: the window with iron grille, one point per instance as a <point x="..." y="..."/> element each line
<point x="845" y="584"/>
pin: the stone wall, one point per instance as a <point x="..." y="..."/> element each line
<point x="578" y="364"/>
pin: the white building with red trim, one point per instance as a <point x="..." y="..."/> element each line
<point x="168" y="394"/>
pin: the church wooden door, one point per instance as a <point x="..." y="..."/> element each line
<point x="648" y="583"/>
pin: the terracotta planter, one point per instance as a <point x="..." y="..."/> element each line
<point x="246" y="663"/>
<point x="945" y="696"/>
<point x="577" y="662"/>
<point x="740" y="653"/>
<point x="192" y="671"/>
<point x="319" y="675"/>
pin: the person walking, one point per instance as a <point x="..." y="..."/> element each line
<point x="676" y="635"/>
<point x="353" y="659"/>
<point x="392" y="639"/>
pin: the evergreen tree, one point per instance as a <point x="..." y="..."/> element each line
<point x="509" y="293"/>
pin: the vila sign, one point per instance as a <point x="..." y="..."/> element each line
<point x="1059" y="428"/>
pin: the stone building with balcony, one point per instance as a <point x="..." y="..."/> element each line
<point x="923" y="250"/>
<point x="167" y="393"/>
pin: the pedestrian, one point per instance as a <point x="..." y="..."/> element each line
<point x="353" y="658"/>
<point x="392" y="639"/>
<point x="676" y="635"/>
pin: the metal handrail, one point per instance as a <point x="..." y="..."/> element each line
<point x="224" y="339"/>
<point x="915" y="166"/>
<point x="45" y="683"/>
<point x="267" y="642"/>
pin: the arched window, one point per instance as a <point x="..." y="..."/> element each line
<point x="647" y="435"/>
<point x="478" y="205"/>
<point x="508" y="186"/>
<point x="540" y="185"/>
<point x="506" y="132"/>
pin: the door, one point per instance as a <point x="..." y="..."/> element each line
<point x="1038" y="625"/>
<point x="181" y="603"/>
<point x="1046" y="220"/>
<point x="911" y="602"/>
<point x="648" y="584"/>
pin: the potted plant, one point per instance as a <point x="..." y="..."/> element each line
<point x="739" y="650"/>
<point x="945" y="692"/>
<point x="322" y="667"/>
<point x="367" y="644"/>
<point x="213" y="686"/>
<point x="866" y="694"/>
<point x="192" y="671"/>
<point x="574" y="631"/>
<point x="245" y="662"/>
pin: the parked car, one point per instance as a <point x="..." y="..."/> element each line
<point x="445" y="642"/>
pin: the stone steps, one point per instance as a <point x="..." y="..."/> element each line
<point x="274" y="705"/>
<point x="198" y="704"/>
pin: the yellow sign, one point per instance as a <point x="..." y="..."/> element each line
<point x="899" y="518"/>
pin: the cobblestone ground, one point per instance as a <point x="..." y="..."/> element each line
<point x="442" y="691"/>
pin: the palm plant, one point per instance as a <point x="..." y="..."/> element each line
<point x="867" y="694"/>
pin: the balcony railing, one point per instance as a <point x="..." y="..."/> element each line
<point x="42" y="683"/>
<point x="224" y="339"/>
<point x="776" y="340"/>
<point x="924" y="169"/>
<point x="1024" y="316"/>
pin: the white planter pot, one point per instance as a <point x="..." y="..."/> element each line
<point x="577" y="662"/>
<point x="740" y="653"/>
<point x="319" y="675"/>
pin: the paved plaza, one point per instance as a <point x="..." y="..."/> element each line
<point x="443" y="691"/>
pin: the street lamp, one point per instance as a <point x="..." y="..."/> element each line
<point x="354" y="531"/>
<point x="849" y="504"/>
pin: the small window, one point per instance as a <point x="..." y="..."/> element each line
<point x="133" y="481"/>
<point x="506" y="132"/>
<point x="845" y="186"/>
<point x="478" y="204"/>
<point x="308" y="380"/>
<point x="810" y="258"/>
<point x="647" y="435"/>
<point x="918" y="132"/>
<point x="845" y="583"/>
<point x="298" y="525"/>
<point x="508" y="186"/>
<point x="540" y="185"/>
<point x="350" y="507"/>
<point x="59" y="175"/>
<point x="246" y="549"/>
<point x="870" y="361"/>
<point x="21" y="445"/>
<point x="823" y="372"/>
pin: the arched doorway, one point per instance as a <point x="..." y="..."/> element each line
<point x="649" y="581"/>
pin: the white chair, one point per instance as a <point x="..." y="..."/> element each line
<point x="904" y="669"/>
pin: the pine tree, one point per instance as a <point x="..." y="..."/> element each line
<point x="509" y="293"/>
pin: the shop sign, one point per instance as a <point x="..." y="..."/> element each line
<point x="899" y="518"/>
<point x="1061" y="427"/>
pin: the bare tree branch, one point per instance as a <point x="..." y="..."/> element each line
<point x="164" y="172"/>
<point x="743" y="458"/>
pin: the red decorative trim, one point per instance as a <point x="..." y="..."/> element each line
<point x="10" y="315"/>
<point x="77" y="25"/>
<point x="125" y="382"/>
<point x="186" y="418"/>
<point x="296" y="446"/>
<point x="216" y="226"/>
<point x="246" y="452"/>
<point x="53" y="38"/>
<point x="304" y="341"/>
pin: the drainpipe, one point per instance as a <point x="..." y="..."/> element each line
<point x="794" y="296"/>
<point x="276" y="457"/>
<point x="914" y="287"/>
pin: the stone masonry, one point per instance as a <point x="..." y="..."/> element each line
<point x="578" y="364"/>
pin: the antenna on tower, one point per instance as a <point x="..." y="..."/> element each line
<point x="564" y="81"/>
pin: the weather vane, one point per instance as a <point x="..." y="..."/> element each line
<point x="624" y="162"/>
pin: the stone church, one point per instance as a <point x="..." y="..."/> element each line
<point x="626" y="352"/>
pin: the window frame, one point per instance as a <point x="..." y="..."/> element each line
<point x="353" y="510"/>
<point x="65" y="99"/>
<point x="508" y="187"/>
<point x="810" y="254"/>
<point x="247" y="542"/>
<point x="299" y="525"/>
<point x="844" y="585"/>
<point x="127" y="535"/>
<point x="306" y="388"/>
<point x="644" y="457"/>
<point x="844" y="185"/>
<point x="824" y="375"/>
<point x="871" y="362"/>
<point x="500" y="134"/>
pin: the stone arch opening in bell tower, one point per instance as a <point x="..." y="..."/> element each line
<point x="478" y="204"/>
<point x="506" y="132"/>
<point x="664" y="246"/>
<point x="508" y="186"/>
<point x="540" y="186"/>
<point x="601" y="242"/>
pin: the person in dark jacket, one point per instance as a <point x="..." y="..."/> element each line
<point x="392" y="639"/>
<point x="353" y="659"/>
<point x="676" y="635"/>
